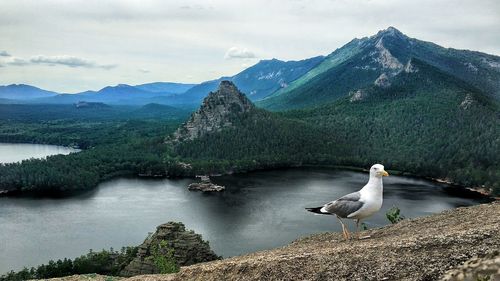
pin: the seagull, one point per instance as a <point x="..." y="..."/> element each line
<point x="357" y="205"/>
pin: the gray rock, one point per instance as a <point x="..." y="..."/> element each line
<point x="486" y="268"/>
<point x="189" y="248"/>
<point x="218" y="110"/>
<point x="205" y="185"/>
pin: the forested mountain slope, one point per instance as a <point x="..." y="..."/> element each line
<point x="362" y="62"/>
<point x="422" y="121"/>
<point x="257" y="81"/>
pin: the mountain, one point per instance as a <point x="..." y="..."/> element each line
<point x="257" y="81"/>
<point x="366" y="61"/>
<point x="23" y="92"/>
<point x="425" y="122"/>
<point x="420" y="120"/>
<point x="165" y="87"/>
<point x="229" y="134"/>
<point x="120" y="94"/>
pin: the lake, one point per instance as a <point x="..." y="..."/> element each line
<point x="258" y="210"/>
<point x="15" y="152"/>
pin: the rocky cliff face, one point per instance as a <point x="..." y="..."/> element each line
<point x="218" y="110"/>
<point x="188" y="248"/>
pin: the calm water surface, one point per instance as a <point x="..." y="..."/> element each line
<point x="15" y="152"/>
<point x="257" y="211"/>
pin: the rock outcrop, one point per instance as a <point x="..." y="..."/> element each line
<point x="218" y="110"/>
<point x="205" y="185"/>
<point x="383" y="81"/>
<point x="188" y="248"/>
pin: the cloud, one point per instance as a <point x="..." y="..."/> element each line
<point x="143" y="70"/>
<point x="239" y="53"/>
<point x="17" y="61"/>
<point x="70" y="61"/>
<point x="173" y="39"/>
<point x="4" y="54"/>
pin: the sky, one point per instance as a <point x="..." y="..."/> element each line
<point x="71" y="46"/>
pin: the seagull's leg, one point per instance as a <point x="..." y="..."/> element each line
<point x="345" y="232"/>
<point x="343" y="229"/>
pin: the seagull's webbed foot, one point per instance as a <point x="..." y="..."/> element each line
<point x="348" y="234"/>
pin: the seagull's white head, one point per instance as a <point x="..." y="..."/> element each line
<point x="378" y="171"/>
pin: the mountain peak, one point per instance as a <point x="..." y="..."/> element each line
<point x="20" y="86"/>
<point x="390" y="34"/>
<point x="391" y="31"/>
<point x="219" y="110"/>
<point x="227" y="87"/>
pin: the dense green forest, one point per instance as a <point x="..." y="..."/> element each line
<point x="117" y="143"/>
<point x="104" y="262"/>
<point x="426" y="123"/>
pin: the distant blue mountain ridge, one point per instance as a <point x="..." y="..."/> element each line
<point x="257" y="81"/>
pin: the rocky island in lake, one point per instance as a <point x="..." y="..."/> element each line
<point x="205" y="185"/>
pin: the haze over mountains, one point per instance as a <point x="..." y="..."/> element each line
<point x="257" y="81"/>
<point x="281" y="85"/>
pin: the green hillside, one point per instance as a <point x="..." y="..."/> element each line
<point x="426" y="123"/>
<point x="361" y="61"/>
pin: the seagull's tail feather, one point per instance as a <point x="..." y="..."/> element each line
<point x="317" y="210"/>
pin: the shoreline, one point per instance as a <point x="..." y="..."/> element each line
<point x="482" y="191"/>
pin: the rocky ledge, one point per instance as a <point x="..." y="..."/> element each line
<point x="413" y="249"/>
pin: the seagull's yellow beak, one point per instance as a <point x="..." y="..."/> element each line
<point x="385" y="174"/>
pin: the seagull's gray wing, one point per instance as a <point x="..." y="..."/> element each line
<point x="345" y="205"/>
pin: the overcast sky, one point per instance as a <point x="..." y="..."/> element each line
<point x="72" y="46"/>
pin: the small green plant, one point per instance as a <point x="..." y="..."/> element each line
<point x="394" y="215"/>
<point x="163" y="258"/>
<point x="364" y="226"/>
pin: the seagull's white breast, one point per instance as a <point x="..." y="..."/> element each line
<point x="371" y="196"/>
